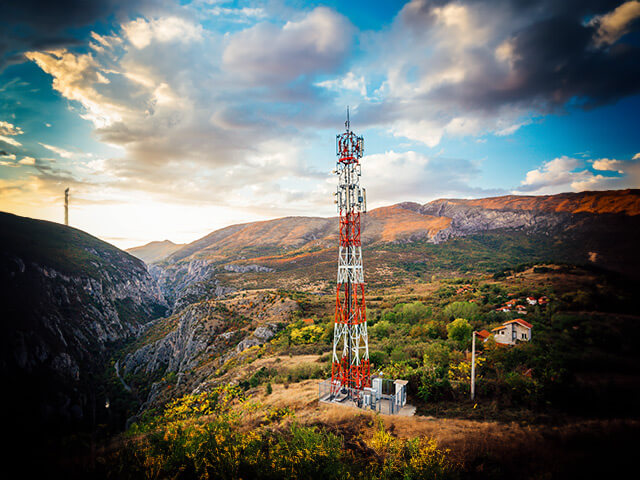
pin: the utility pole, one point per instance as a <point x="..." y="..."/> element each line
<point x="473" y="365"/>
<point x="66" y="207"/>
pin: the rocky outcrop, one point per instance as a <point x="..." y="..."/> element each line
<point x="246" y="268"/>
<point x="188" y="282"/>
<point x="468" y="220"/>
<point x="177" y="351"/>
<point x="260" y="335"/>
<point x="202" y="337"/>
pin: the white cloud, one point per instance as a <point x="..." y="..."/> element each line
<point x="77" y="77"/>
<point x="60" y="151"/>
<point x="393" y="177"/>
<point x="27" y="161"/>
<point x="428" y="132"/>
<point x="10" y="141"/>
<point x="570" y="174"/>
<point x="239" y="14"/>
<point x="10" y="156"/>
<point x="609" y="165"/>
<point x="559" y="171"/>
<point x="615" y="24"/>
<point x="141" y="32"/>
<point x="7" y="128"/>
<point x="636" y="156"/>
<point x="349" y="82"/>
<point x="267" y="53"/>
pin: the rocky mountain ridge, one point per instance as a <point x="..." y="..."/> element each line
<point x="435" y="221"/>
<point x="194" y="271"/>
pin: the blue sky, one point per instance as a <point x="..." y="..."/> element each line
<point x="170" y="119"/>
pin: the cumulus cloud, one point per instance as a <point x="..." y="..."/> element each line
<point x="7" y="131"/>
<point x="571" y="174"/>
<point x="181" y="105"/>
<point x="78" y="77"/>
<point x="142" y="32"/>
<point x="267" y="53"/>
<point x="490" y="66"/>
<point x="393" y="177"/>
<point x="613" y="25"/>
<point x="608" y="165"/>
<point x="43" y="25"/>
<point x="349" y="82"/>
<point x="7" y="159"/>
<point x="27" y="161"/>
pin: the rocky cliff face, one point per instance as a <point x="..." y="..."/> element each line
<point x="471" y="219"/>
<point x="187" y="282"/>
<point x="67" y="299"/>
<point x="201" y="338"/>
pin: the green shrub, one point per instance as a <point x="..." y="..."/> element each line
<point x="381" y="329"/>
<point x="306" y="335"/>
<point x="460" y="331"/>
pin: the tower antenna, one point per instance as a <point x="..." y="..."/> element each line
<point x="350" y="370"/>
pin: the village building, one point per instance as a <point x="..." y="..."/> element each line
<point x="483" y="335"/>
<point x="512" y="331"/>
<point x="531" y="301"/>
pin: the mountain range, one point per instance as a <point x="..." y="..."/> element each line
<point x="489" y="234"/>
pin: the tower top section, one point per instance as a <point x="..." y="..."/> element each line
<point x="349" y="146"/>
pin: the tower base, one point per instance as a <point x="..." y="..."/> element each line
<point x="370" y="398"/>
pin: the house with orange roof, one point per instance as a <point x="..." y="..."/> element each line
<point x="483" y="335"/>
<point x="308" y="321"/>
<point x="513" y="331"/>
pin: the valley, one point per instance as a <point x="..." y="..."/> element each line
<point x="222" y="342"/>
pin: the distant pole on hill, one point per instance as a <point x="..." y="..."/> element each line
<point x="473" y="366"/>
<point x="66" y="206"/>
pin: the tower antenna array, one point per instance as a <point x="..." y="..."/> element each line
<point x="350" y="365"/>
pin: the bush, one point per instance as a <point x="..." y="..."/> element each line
<point x="435" y="329"/>
<point x="437" y="356"/>
<point x="433" y="387"/>
<point x="467" y="310"/>
<point x="460" y="331"/>
<point x="378" y="358"/>
<point x="381" y="329"/>
<point x="306" y="335"/>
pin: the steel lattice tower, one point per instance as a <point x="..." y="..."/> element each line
<point x="350" y="366"/>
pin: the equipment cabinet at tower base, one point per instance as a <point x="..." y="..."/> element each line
<point x="384" y="396"/>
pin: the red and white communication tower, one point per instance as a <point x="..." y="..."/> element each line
<point x="350" y="369"/>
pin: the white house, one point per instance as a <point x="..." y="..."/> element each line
<point x="531" y="301"/>
<point x="509" y="332"/>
